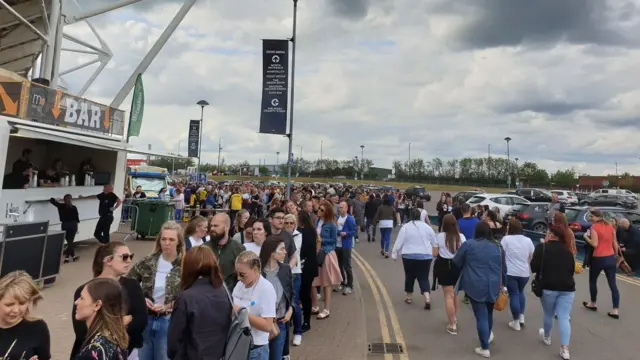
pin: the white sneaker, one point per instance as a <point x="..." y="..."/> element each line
<point x="297" y="340"/>
<point x="482" y="352"/>
<point x="564" y="353"/>
<point x="491" y="337"/>
<point x="515" y="325"/>
<point x="318" y="296"/>
<point x="521" y="319"/>
<point x="545" y="339"/>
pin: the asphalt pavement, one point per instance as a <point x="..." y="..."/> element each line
<point x="422" y="333"/>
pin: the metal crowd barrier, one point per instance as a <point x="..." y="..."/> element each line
<point x="128" y="221"/>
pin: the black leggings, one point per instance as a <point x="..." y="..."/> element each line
<point x="305" y="297"/>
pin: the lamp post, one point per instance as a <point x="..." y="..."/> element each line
<point x="291" y="102"/>
<point x="219" y="151"/>
<point x="508" y="140"/>
<point x="300" y="151"/>
<point x="202" y="104"/>
<point x="489" y="161"/>
<point x="277" y="162"/>
<point x="361" y="162"/>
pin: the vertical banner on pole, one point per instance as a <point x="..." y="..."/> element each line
<point x="137" y="109"/>
<point x="193" y="141"/>
<point x="275" y="87"/>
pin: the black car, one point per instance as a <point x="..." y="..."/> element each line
<point x="415" y="193"/>
<point x="534" y="195"/>
<point x="533" y="216"/>
<point x="579" y="221"/>
<point x="622" y="201"/>
<point x="466" y="195"/>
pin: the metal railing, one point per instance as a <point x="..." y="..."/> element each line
<point x="128" y="221"/>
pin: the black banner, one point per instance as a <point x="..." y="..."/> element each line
<point x="275" y="87"/>
<point x="55" y="107"/>
<point x="193" y="142"/>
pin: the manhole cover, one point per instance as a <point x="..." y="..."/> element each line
<point x="385" y="348"/>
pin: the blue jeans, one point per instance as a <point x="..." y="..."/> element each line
<point x="557" y="303"/>
<point x="483" y="312"/>
<point x="260" y="353"/>
<point x="370" y="224"/>
<point x="297" y="309"/>
<point x="276" y="346"/>
<point x="385" y="238"/>
<point x="515" y="287"/>
<point x="608" y="264"/>
<point x="178" y="215"/>
<point x="154" y="346"/>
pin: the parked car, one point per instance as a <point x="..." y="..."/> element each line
<point x="503" y="202"/>
<point x="415" y="193"/>
<point x="466" y="195"/>
<point x="534" y="195"/>
<point x="510" y="192"/>
<point x="622" y="201"/>
<point x="568" y="197"/>
<point x="579" y="223"/>
<point x="582" y="195"/>
<point x="533" y="216"/>
<point x="615" y="192"/>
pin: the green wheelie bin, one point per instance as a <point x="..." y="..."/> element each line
<point x="151" y="215"/>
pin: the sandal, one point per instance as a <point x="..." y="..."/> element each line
<point x="315" y="310"/>
<point x="324" y="314"/>
<point x="613" y="316"/>
<point x="408" y="301"/>
<point x="427" y="305"/>
<point x="592" y="308"/>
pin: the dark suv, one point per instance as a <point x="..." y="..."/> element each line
<point x="535" y="195"/>
<point x="533" y="216"/>
<point x="417" y="193"/>
<point x="622" y="201"/>
<point x="466" y="195"/>
<point x="579" y="222"/>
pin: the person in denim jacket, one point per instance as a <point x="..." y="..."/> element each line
<point x="347" y="230"/>
<point x="483" y="270"/>
<point x="329" y="272"/>
<point x="159" y="276"/>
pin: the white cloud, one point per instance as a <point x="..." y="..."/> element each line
<point x="383" y="76"/>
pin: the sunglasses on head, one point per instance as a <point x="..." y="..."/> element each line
<point x="125" y="257"/>
<point x="289" y="223"/>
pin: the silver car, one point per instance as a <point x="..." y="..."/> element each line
<point x="567" y="197"/>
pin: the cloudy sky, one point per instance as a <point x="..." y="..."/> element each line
<point x="558" y="77"/>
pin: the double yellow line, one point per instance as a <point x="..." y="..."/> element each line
<point x="382" y="300"/>
<point x="628" y="279"/>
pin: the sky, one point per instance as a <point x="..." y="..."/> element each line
<point x="450" y="78"/>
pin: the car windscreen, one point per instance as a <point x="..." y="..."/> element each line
<point x="572" y="214"/>
<point x="476" y="199"/>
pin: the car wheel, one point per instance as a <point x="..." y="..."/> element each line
<point x="540" y="227"/>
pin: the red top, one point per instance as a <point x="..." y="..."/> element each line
<point x="605" y="239"/>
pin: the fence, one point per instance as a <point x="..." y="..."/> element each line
<point x="128" y="221"/>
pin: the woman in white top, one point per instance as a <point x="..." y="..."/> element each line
<point x="178" y="200"/>
<point x="445" y="272"/>
<point x="259" y="235"/>
<point x="414" y="244"/>
<point x="291" y="225"/>
<point x="518" y="251"/>
<point x="257" y="295"/>
<point x="196" y="232"/>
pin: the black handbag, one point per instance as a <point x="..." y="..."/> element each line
<point x="536" y="283"/>
<point x="320" y="257"/>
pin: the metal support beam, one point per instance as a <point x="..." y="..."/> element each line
<point x="81" y="66"/>
<point x="92" y="78"/>
<point x="85" y="44"/>
<point x="57" y="52"/>
<point x="155" y="49"/>
<point x="48" y="53"/>
<point x="19" y="17"/>
<point x="45" y="16"/>
<point x="83" y="15"/>
<point x="80" y="51"/>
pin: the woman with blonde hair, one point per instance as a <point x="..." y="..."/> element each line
<point x="22" y="336"/>
<point x="196" y="232"/>
<point x="238" y="223"/>
<point x="159" y="276"/>
<point x="258" y="296"/>
<point x="113" y="260"/>
<point x="102" y="307"/>
<point x="246" y="235"/>
<point x="202" y="314"/>
<point x="602" y="237"/>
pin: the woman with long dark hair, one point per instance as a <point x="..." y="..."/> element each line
<point x="309" y="266"/>
<point x="445" y="271"/>
<point x="329" y="272"/>
<point x="518" y="250"/>
<point x="102" y="307"/>
<point x="201" y="315"/>
<point x="482" y="287"/>
<point x="386" y="219"/>
<point x="278" y="273"/>
<point x="113" y="261"/>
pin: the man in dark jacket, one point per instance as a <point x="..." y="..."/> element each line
<point x="226" y="251"/>
<point x="629" y="238"/>
<point x="370" y="210"/>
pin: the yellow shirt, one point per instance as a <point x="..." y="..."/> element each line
<point x="236" y="202"/>
<point x="202" y="195"/>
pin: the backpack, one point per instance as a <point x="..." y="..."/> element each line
<point x="239" y="340"/>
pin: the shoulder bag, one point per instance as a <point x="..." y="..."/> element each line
<point x="503" y="298"/>
<point x="239" y="339"/>
<point x="536" y="283"/>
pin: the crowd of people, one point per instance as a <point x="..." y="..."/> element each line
<point x="283" y="260"/>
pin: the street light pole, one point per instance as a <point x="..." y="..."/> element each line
<point x="219" y="151"/>
<point x="489" y="161"/>
<point x="508" y="140"/>
<point x="321" y="141"/>
<point x="361" y="162"/>
<point x="202" y="104"/>
<point x="277" y="162"/>
<point x="293" y="82"/>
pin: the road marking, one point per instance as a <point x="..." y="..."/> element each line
<point x="384" y="327"/>
<point x="629" y="280"/>
<point x="387" y="299"/>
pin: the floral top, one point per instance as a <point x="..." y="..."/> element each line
<point x="100" y="348"/>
